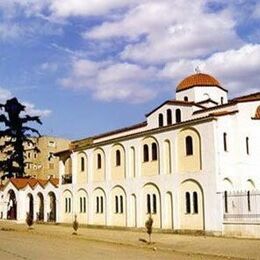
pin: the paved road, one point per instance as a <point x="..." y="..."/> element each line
<point x="27" y="245"/>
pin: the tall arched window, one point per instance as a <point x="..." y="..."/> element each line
<point x="154" y="152"/>
<point x="97" y="204"/>
<point x="160" y="120"/>
<point x="195" y="203"/>
<point x="189" y="145"/>
<point x="121" y="204"/>
<point x="247" y="145"/>
<point x="187" y="197"/>
<point x="226" y="201"/>
<point x="169" y="116"/>
<point x="80" y="204"/>
<point x="101" y="204"/>
<point x="118" y="158"/>
<point x="99" y="164"/>
<point x="82" y="164"/>
<point x="148" y="203"/>
<point x="84" y="205"/>
<point x="225" y="141"/>
<point x="116" y="204"/>
<point x="154" y="204"/>
<point x="178" y="115"/>
<point x="248" y="201"/>
<point x="146" y="153"/>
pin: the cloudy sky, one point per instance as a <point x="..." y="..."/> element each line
<point x="88" y="66"/>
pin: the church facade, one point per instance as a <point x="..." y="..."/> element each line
<point x="186" y="165"/>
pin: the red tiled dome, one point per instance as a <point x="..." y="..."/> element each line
<point x="198" y="79"/>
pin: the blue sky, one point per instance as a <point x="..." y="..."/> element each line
<point x="91" y="66"/>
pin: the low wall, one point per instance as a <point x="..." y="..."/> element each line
<point x="248" y="230"/>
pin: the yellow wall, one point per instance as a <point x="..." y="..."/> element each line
<point x="151" y="167"/>
<point x="117" y="172"/>
<point x="151" y="189"/>
<point x="98" y="174"/>
<point x="118" y="219"/>
<point x="188" y="163"/>
<point x="82" y="175"/>
<point x="191" y="221"/>
<point x="68" y="166"/>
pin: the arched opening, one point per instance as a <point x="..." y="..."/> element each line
<point x="12" y="206"/>
<point x="31" y="209"/>
<point x="40" y="213"/>
<point x="146" y="153"/>
<point x="82" y="164"/>
<point x="99" y="162"/>
<point x="52" y="212"/>
<point x="178" y="115"/>
<point x="160" y="120"/>
<point x="169" y="116"/>
<point x="189" y="145"/>
<point x="186" y="99"/>
<point x="225" y="141"/>
<point x="154" y="152"/>
<point x="118" y="158"/>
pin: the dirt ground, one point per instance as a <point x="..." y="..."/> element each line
<point x="48" y="241"/>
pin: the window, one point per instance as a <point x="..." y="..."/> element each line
<point x="121" y="204"/>
<point x="154" y="204"/>
<point x="178" y="115"/>
<point x="160" y="120"/>
<point x="84" y="205"/>
<point x="51" y="144"/>
<point x="35" y="155"/>
<point x="189" y="145"/>
<point x="29" y="155"/>
<point x="187" y="197"/>
<point x="247" y="145"/>
<point x="186" y="99"/>
<point x="116" y="206"/>
<point x="195" y="202"/>
<point x="118" y="158"/>
<point x="222" y="100"/>
<point x="154" y="151"/>
<point x="169" y="117"/>
<point x="148" y="203"/>
<point x="146" y="153"/>
<point x="82" y="164"/>
<point x="99" y="161"/>
<point x="225" y="141"/>
<point x="226" y="201"/>
<point x="80" y="205"/>
<point x="67" y="205"/>
<point x="248" y="201"/>
<point x="97" y="205"/>
<point x="101" y="205"/>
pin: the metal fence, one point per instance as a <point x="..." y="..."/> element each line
<point x="242" y="207"/>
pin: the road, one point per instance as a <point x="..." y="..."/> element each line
<point x="27" y="245"/>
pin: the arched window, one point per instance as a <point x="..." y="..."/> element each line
<point x="225" y="141"/>
<point x="160" y="120"/>
<point x="247" y="145"/>
<point x="178" y="115"/>
<point x="80" y="204"/>
<point x="101" y="204"/>
<point x="187" y="197"/>
<point x="169" y="117"/>
<point x="154" y="204"/>
<point x="66" y="205"/>
<point x="116" y="206"/>
<point x="248" y="201"/>
<point x="195" y="203"/>
<point x="154" y="152"/>
<point x="146" y="153"/>
<point x="69" y="205"/>
<point x="148" y="203"/>
<point x="97" y="204"/>
<point x="99" y="164"/>
<point x="121" y="204"/>
<point x="189" y="145"/>
<point x="222" y="100"/>
<point x="82" y="164"/>
<point x="84" y="205"/>
<point x="226" y="201"/>
<point x="118" y="158"/>
<point x="186" y="99"/>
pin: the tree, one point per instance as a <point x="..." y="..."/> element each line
<point x="15" y="135"/>
<point x="149" y="227"/>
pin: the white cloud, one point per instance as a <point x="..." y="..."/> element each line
<point x="49" y="66"/>
<point x="168" y="30"/>
<point x="113" y="81"/>
<point x="30" y="108"/>
<point x="237" y="69"/>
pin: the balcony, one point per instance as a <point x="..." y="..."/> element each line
<point x="66" y="179"/>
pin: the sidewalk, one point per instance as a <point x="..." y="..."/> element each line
<point x="188" y="244"/>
